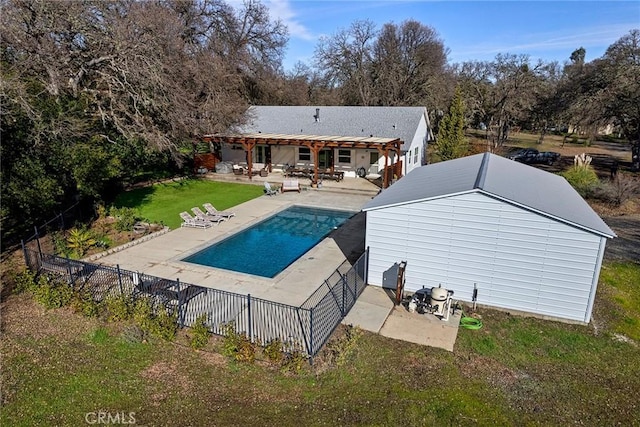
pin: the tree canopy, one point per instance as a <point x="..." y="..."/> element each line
<point x="97" y="94"/>
<point x="397" y="65"/>
<point x="89" y="86"/>
<point x="451" y="142"/>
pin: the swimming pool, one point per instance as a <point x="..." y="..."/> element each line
<point x="270" y="246"/>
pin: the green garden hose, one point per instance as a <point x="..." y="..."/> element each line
<point x="470" y="322"/>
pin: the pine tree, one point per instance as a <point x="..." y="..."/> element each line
<point x="451" y="142"/>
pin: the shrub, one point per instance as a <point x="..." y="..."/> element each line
<point x="237" y="345"/>
<point x="164" y="325"/>
<point x="583" y="179"/>
<point x="199" y="333"/>
<point x="246" y="351"/>
<point x="103" y="242"/>
<point x="294" y="362"/>
<point x="83" y="302"/>
<point x="618" y="190"/>
<point x="126" y="218"/>
<point x="79" y="241"/>
<point x="340" y="349"/>
<point x="60" y="244"/>
<point x="25" y="281"/>
<point x="273" y="351"/>
<point x="142" y="312"/>
<point x="101" y="210"/>
<point x="52" y="294"/>
<point x="119" y="308"/>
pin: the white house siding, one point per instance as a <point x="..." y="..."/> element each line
<point x="418" y="142"/>
<point x="520" y="260"/>
<point x="281" y="155"/>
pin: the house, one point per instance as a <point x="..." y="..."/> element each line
<point x="348" y="140"/>
<point x="524" y="237"/>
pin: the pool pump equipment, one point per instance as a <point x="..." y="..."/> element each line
<point x="436" y="301"/>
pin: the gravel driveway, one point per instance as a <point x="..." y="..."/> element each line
<point x="625" y="247"/>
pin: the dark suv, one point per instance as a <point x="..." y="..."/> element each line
<point x="531" y="155"/>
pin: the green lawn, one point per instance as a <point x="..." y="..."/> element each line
<point x="622" y="282"/>
<point x="162" y="203"/>
<point x="515" y="371"/>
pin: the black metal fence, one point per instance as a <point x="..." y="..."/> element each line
<point x="77" y="212"/>
<point x="305" y="328"/>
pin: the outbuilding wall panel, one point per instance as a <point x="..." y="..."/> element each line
<point x="518" y="259"/>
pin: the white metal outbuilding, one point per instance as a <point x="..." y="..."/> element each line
<point x="523" y="236"/>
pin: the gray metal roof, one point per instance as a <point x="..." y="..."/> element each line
<point x="379" y="122"/>
<point x="299" y="137"/>
<point x="534" y="189"/>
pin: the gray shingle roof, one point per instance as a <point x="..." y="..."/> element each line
<point x="343" y="121"/>
<point x="534" y="189"/>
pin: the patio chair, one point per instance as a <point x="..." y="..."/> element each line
<point x="268" y="190"/>
<point x="189" y="221"/>
<point x="290" y="185"/>
<point x="206" y="217"/>
<point x="211" y="210"/>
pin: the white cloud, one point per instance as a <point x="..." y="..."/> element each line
<point x="282" y="10"/>
<point x="598" y="38"/>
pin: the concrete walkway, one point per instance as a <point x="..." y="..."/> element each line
<point x="375" y="312"/>
<point x="371" y="310"/>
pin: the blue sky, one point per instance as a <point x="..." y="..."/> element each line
<point x="471" y="30"/>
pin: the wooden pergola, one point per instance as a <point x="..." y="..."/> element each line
<point x="315" y="143"/>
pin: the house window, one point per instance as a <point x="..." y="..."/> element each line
<point x="304" y="153"/>
<point x="344" y="156"/>
<point x="260" y="154"/>
<point x="415" y="155"/>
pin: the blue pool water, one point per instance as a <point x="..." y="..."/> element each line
<point x="270" y="246"/>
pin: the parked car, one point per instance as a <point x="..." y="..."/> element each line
<point x="547" y="157"/>
<point x="531" y="155"/>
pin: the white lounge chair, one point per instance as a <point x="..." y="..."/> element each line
<point x="211" y="210"/>
<point x="206" y="217"/>
<point x="268" y="190"/>
<point x="189" y="221"/>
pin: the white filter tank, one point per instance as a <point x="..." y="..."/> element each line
<point x="439" y="298"/>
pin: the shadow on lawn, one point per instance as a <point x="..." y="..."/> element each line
<point x="135" y="198"/>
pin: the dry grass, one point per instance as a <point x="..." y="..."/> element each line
<point x="514" y="371"/>
<point x="58" y="365"/>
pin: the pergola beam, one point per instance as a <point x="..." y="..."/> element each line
<point x="315" y="143"/>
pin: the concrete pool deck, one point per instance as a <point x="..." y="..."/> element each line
<point x="162" y="255"/>
<point x="374" y="311"/>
